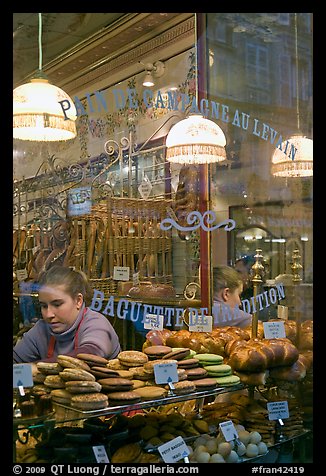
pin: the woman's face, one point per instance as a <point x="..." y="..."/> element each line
<point x="58" y="308"/>
<point x="233" y="297"/>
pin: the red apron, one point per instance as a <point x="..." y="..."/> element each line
<point x="52" y="338"/>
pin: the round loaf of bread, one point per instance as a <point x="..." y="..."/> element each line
<point x="152" y="291"/>
<point x="89" y="401"/>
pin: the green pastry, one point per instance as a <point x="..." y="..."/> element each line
<point x="209" y="359"/>
<point x="221" y="370"/>
<point x="227" y="381"/>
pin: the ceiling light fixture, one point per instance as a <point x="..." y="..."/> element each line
<point x="195" y="140"/>
<point x="155" y="70"/>
<point x="301" y="165"/>
<point x="37" y="113"/>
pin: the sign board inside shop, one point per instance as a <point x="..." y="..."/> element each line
<point x="79" y="201"/>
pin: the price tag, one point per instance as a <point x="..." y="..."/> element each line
<point x="166" y="373"/>
<point x="145" y="188"/>
<point x="121" y="273"/>
<point x="21" y="274"/>
<point x="22" y="376"/>
<point x="153" y="321"/>
<point x="278" y="410"/>
<point x="100" y="454"/>
<point x="274" y="330"/>
<point x="135" y="279"/>
<point x="282" y="312"/>
<point x="200" y="323"/>
<point x="174" y="450"/>
<point x="228" y="430"/>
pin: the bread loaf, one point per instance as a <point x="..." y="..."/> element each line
<point x="258" y="355"/>
<point x="292" y="373"/>
<point x="152" y="291"/>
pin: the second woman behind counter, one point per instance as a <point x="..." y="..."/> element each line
<point x="68" y="326"/>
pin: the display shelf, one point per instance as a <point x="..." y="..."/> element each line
<point x="170" y="398"/>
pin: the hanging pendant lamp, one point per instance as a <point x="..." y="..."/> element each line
<point x="37" y="113"/>
<point x="195" y="140"/>
<point x="298" y="159"/>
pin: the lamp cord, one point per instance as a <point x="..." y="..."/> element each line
<point x="297" y="68"/>
<point x="40" y="41"/>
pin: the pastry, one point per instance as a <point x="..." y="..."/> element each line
<point x="115" y="384"/>
<point x="66" y="361"/>
<point x="207" y="383"/>
<point x="183" y="387"/>
<point x="104" y="372"/>
<point x="157" y="351"/>
<point x="93" y="360"/>
<point x="220" y="370"/>
<point x="228" y="381"/>
<point x="209" y="359"/>
<point x="89" y="401"/>
<point x="49" y="368"/>
<point x="123" y="398"/>
<point x="137" y="383"/>
<point x="61" y="396"/>
<point x="188" y="363"/>
<point x="151" y="392"/>
<point x="54" y="381"/>
<point x="127" y="453"/>
<point x="196" y="373"/>
<point x="79" y="386"/>
<point x="76" y="374"/>
<point x="178" y="354"/>
<point x="132" y="358"/>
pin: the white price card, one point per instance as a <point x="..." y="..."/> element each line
<point x="200" y="323"/>
<point x="228" y="430"/>
<point x="282" y="312"/>
<point x="145" y="188"/>
<point x="153" y="321"/>
<point x="274" y="330"/>
<point x="278" y="410"/>
<point x="100" y="454"/>
<point x="121" y="273"/>
<point x="174" y="450"/>
<point x="166" y="373"/>
<point x="21" y="274"/>
<point x="22" y="375"/>
<point x="135" y="279"/>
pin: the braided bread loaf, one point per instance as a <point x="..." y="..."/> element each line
<point x="257" y="355"/>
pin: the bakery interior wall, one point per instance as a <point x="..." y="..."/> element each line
<point x="37" y="166"/>
<point x="252" y="64"/>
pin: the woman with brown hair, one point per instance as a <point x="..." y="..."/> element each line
<point x="68" y="326"/>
